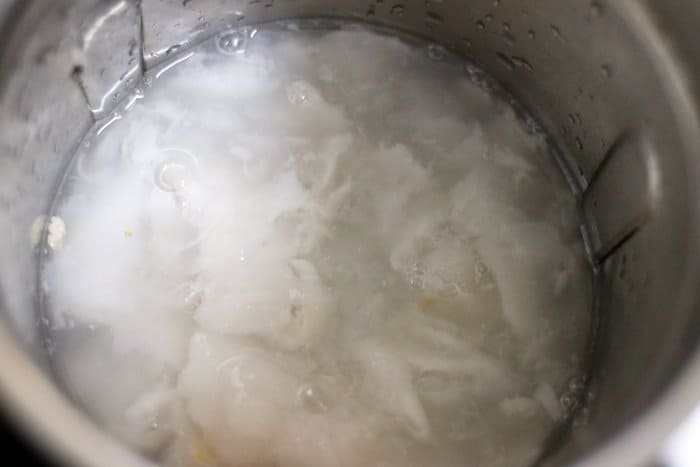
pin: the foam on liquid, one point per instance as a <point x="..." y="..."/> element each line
<point x="311" y="248"/>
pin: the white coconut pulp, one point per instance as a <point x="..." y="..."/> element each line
<point x="311" y="248"/>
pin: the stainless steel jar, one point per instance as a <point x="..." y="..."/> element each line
<point x="616" y="84"/>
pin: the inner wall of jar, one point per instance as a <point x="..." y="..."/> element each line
<point x="570" y="66"/>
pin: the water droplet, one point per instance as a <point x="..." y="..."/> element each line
<point x="595" y="11"/>
<point x="567" y="401"/>
<point x="130" y="81"/>
<point x="505" y="61"/>
<point x="436" y="52"/>
<point x="579" y="144"/>
<point x="531" y="33"/>
<point x="506" y="27"/>
<point x="171" y="176"/>
<point x="606" y="70"/>
<point x="415" y="275"/>
<point x="433" y="19"/>
<point x="577" y="385"/>
<point x="397" y="9"/>
<point x="488" y="18"/>
<point x="574" y="393"/>
<point x="467" y="42"/>
<point x="496" y="3"/>
<point x="154" y="425"/>
<point x="482" y="275"/>
<point x="312" y="399"/>
<point x="590" y="395"/>
<point x="176" y="171"/>
<point x="480" y="78"/>
<point x="480" y="24"/>
<point x="172" y="49"/>
<point x="520" y="62"/>
<point x="201" y="19"/>
<point x="556" y="32"/>
<point x="509" y="38"/>
<point x="532" y="126"/>
<point x="300" y="92"/>
<point x="572" y="119"/>
<point x="192" y="298"/>
<point x="231" y="42"/>
<point x="370" y="10"/>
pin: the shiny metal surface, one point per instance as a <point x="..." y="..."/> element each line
<point x="616" y="84"/>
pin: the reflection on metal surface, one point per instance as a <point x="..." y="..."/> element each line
<point x="617" y="200"/>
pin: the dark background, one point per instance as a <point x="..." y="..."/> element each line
<point x="16" y="449"/>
